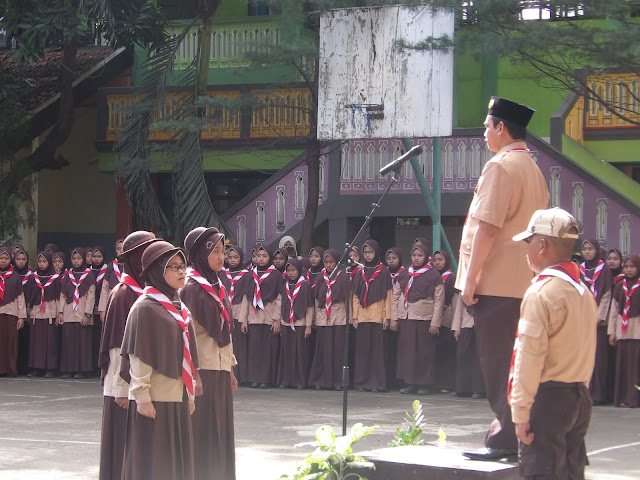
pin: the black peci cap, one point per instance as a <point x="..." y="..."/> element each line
<point x="510" y="111"/>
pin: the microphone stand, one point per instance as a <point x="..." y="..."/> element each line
<point x="345" y="264"/>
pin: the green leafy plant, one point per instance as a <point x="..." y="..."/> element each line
<point x="334" y="458"/>
<point x="410" y="431"/>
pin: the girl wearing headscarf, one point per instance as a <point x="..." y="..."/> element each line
<point x="355" y="257"/>
<point x="316" y="255"/>
<point x="99" y="267"/>
<point x="597" y="277"/>
<point x="624" y="334"/>
<point x="236" y="279"/>
<point x="111" y="279"/>
<point x="21" y="265"/>
<point x="51" y="248"/>
<point x="42" y="294"/>
<point x="445" y="342"/>
<point x="393" y="259"/>
<point x="614" y="262"/>
<point x="330" y="322"/>
<point x="159" y="361"/>
<point x="59" y="262"/>
<point x="260" y="318"/>
<point x="371" y="315"/>
<point x="280" y="257"/>
<point x="396" y="268"/>
<point x="208" y="301"/>
<point x="296" y="318"/>
<point x="75" y="314"/>
<point x="116" y="389"/>
<point x="13" y="313"/>
<point x="418" y="304"/>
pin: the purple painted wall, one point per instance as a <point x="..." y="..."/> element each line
<point x="601" y="217"/>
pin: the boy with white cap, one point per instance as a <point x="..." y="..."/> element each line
<point x="553" y="354"/>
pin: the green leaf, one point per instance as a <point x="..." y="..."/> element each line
<point x="326" y="437"/>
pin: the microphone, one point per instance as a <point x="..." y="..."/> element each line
<point x="398" y="162"/>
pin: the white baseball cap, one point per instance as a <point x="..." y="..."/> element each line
<point x="553" y="222"/>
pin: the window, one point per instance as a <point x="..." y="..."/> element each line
<point x="462" y="161"/>
<point x="357" y="163"/>
<point x="280" y="205"/>
<point x="260" y="222"/>
<point x="476" y="160"/>
<point x="554" y="187"/>
<point x="578" y="202"/>
<point x="447" y="162"/>
<point x="371" y="163"/>
<point x="346" y="159"/>
<point x="321" y="177"/>
<point x="383" y="154"/>
<point x="593" y="102"/>
<point x="299" y="191"/>
<point x="625" y="234"/>
<point x="242" y="232"/>
<point x="601" y="220"/>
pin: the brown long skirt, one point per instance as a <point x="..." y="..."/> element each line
<point x="391" y="356"/>
<point x="598" y="385"/>
<point x="627" y="374"/>
<point x="293" y="365"/>
<point x="264" y="349"/>
<point x="445" y="374"/>
<point x="241" y="351"/>
<point x="8" y="344"/>
<point x="416" y="352"/>
<point x="328" y="358"/>
<point x="23" y="349"/>
<point x="114" y="430"/>
<point x="213" y="431"/>
<point x="159" y="448"/>
<point x="96" y="333"/>
<point x="371" y="370"/>
<point x="76" y="348"/>
<point x="468" y="374"/>
<point x="44" y="338"/>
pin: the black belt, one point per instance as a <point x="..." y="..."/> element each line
<point x="554" y="384"/>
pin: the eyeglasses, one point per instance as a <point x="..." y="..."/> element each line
<point x="177" y="268"/>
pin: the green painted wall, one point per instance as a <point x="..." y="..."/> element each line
<point x="78" y="198"/>
<point x="220" y="161"/>
<point x="616" y="151"/>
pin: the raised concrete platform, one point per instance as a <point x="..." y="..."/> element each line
<point x="434" y="463"/>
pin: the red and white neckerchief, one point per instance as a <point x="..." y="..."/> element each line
<point x="131" y="283"/>
<point x="445" y="275"/>
<point x="257" y="297"/>
<point x="292" y="298"/>
<point x="394" y="276"/>
<point x="368" y="282"/>
<point x="234" y="280"/>
<point x="313" y="285"/>
<point x="183" y="322"/>
<point x="101" y="273"/>
<point x="618" y="277"/>
<point x="329" y="296"/>
<point x="204" y="283"/>
<point x="77" y="283"/>
<point x="36" y="278"/>
<point x="284" y="274"/>
<point x="559" y="271"/>
<point x="25" y="279"/>
<point x="413" y="274"/>
<point x="116" y="270"/>
<point x="3" y="277"/>
<point x="591" y="282"/>
<point x="627" y="304"/>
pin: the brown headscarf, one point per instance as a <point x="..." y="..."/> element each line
<point x="618" y="292"/>
<point x="380" y="286"/>
<point x="271" y="286"/>
<point x="304" y="299"/>
<point x="313" y="272"/>
<point x="151" y="333"/>
<point x="121" y="299"/>
<point x="199" y="302"/>
<point x="282" y="251"/>
<point x="450" y="282"/>
<point x="51" y="247"/>
<point x="68" y="288"/>
<point x="618" y="270"/>
<point x="423" y="286"/>
<point x="24" y="270"/>
<point x="339" y="288"/>
<point x="32" y="291"/>
<point x="62" y="257"/>
<point x="13" y="284"/>
<point x="241" y="285"/>
<point x="604" y="283"/>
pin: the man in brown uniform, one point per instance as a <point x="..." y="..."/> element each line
<point x="493" y="273"/>
<point x="554" y="354"/>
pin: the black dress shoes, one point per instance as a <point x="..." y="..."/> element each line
<point x="409" y="389"/>
<point x="491" y="454"/>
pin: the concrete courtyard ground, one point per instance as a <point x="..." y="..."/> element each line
<point x="50" y="429"/>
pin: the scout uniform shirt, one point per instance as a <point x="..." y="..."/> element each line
<point x="510" y="189"/>
<point x="557" y="341"/>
